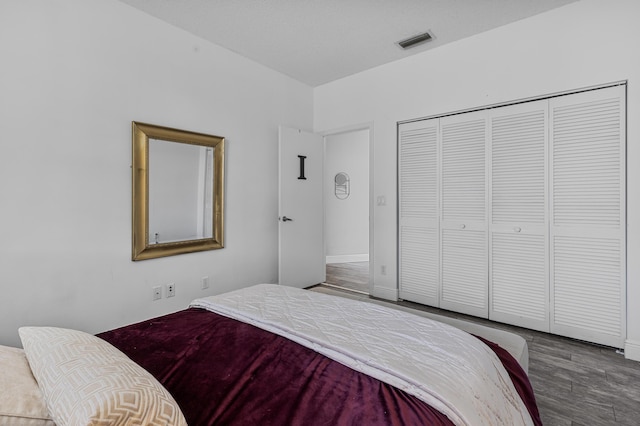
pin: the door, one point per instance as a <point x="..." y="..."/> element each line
<point x="301" y="259"/>
<point x="418" y="209"/>
<point x="463" y="219"/>
<point x="587" y="229"/>
<point x="518" y="226"/>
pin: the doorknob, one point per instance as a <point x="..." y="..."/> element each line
<point x="286" y="219"/>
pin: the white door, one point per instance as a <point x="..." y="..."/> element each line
<point x="587" y="229"/>
<point x="518" y="226"/>
<point x="463" y="219"/>
<point x="301" y="258"/>
<point x="418" y="211"/>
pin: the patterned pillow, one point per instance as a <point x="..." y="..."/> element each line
<point x="85" y="380"/>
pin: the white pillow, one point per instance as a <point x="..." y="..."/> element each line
<point x="21" y="402"/>
<point x="85" y="380"/>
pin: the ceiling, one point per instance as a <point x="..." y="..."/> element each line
<point x="318" y="41"/>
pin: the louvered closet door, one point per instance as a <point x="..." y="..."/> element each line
<point x="419" y="250"/>
<point x="588" y="216"/>
<point x="518" y="254"/>
<point x="463" y="225"/>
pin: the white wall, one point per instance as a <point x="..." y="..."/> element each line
<point x="347" y="220"/>
<point x="74" y="75"/>
<point x="586" y="43"/>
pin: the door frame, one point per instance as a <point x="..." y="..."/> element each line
<point x="349" y="129"/>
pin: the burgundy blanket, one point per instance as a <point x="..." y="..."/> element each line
<point x="225" y="372"/>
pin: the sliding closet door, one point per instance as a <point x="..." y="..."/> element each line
<point x="463" y="224"/>
<point x="518" y="254"/>
<point x="588" y="216"/>
<point x="418" y="182"/>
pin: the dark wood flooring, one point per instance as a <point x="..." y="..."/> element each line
<point x="576" y="383"/>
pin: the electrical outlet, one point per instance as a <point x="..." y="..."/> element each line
<point x="171" y="290"/>
<point x="205" y="283"/>
<point x="157" y="293"/>
<point x="383" y="270"/>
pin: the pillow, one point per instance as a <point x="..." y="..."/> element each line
<point x="21" y="402"/>
<point x="85" y="380"/>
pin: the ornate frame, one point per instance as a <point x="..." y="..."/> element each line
<point x="141" y="249"/>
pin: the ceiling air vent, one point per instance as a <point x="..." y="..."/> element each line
<point x="415" y="40"/>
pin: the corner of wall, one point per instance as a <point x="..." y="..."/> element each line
<point x="632" y="350"/>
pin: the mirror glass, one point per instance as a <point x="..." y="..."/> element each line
<point x="178" y="191"/>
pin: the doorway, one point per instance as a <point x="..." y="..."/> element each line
<point x="347" y="204"/>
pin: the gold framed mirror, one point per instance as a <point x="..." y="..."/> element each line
<point x="177" y="190"/>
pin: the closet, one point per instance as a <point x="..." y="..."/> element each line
<point x="517" y="214"/>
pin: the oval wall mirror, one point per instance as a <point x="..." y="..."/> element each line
<point x="342" y="186"/>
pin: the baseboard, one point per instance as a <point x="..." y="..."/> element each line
<point x="632" y="350"/>
<point x="347" y="258"/>
<point x="385" y="293"/>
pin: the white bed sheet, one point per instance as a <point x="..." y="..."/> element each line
<point x="514" y="344"/>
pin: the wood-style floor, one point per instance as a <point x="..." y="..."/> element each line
<point x="576" y="383"/>
<point x="352" y="276"/>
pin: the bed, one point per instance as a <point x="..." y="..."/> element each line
<point x="274" y="355"/>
